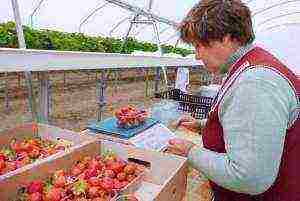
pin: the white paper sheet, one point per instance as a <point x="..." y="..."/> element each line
<point x="155" y="138"/>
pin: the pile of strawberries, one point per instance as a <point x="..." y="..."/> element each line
<point x="129" y="117"/>
<point x="23" y="152"/>
<point x="90" y="179"/>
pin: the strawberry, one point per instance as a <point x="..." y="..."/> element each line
<point x="90" y="173"/>
<point x="109" y="173"/>
<point x="59" y="173"/>
<point x="3" y="157"/>
<point x="99" y="199"/>
<point x="16" y="146"/>
<point x="35" y="186"/>
<point x="54" y="194"/>
<point x="117" y="166"/>
<point x="33" y="142"/>
<point x="76" y="171"/>
<point x="107" y="184"/>
<point x="60" y="181"/>
<point x="34" y="153"/>
<point x="94" y="164"/>
<point x="81" y="176"/>
<point x="37" y="196"/>
<point x="129" y="169"/>
<point x="93" y="192"/>
<point x="94" y="181"/>
<point x="99" y="158"/>
<point x="81" y="166"/>
<point x="10" y="166"/>
<point x="24" y="146"/>
<point x="2" y="164"/>
<point x="117" y="184"/>
<point x="121" y="176"/>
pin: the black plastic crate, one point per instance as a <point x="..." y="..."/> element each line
<point x="198" y="106"/>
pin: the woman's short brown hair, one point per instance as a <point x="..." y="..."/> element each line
<point x="212" y="20"/>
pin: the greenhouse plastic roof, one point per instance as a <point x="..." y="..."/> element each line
<point x="276" y="22"/>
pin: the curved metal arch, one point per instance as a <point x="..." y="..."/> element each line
<point x="162" y="31"/>
<point x="274" y="6"/>
<point x="118" y="24"/>
<point x="90" y="15"/>
<point x="34" y="11"/>
<point x="280" y="25"/>
<point x="277" y="17"/>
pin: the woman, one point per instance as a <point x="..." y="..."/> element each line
<point x="252" y="136"/>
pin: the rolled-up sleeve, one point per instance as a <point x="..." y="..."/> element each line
<point x="254" y="115"/>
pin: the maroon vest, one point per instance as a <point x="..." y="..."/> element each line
<point x="287" y="184"/>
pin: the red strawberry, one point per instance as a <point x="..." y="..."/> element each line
<point x="99" y="158"/>
<point x="3" y="157"/>
<point x="117" y="184"/>
<point x="35" y="186"/>
<point x="94" y="164"/>
<point x="81" y="166"/>
<point x="81" y="176"/>
<point x="76" y="171"/>
<point x="60" y="181"/>
<point x="59" y="173"/>
<point x="109" y="173"/>
<point x="34" y="153"/>
<point x="93" y="192"/>
<point x="90" y="173"/>
<point x="16" y="146"/>
<point x="94" y="181"/>
<point x="24" y="146"/>
<point x="37" y="196"/>
<point x="107" y="184"/>
<point x="130" y="169"/>
<point x="117" y="166"/>
<point x="10" y="166"/>
<point x="2" y="164"/>
<point x="121" y="176"/>
<point x="54" y="194"/>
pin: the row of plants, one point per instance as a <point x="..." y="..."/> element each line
<point x="56" y="40"/>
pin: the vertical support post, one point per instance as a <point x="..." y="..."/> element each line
<point x="101" y="86"/>
<point x="22" y="45"/>
<point x="128" y="32"/>
<point x="157" y="80"/>
<point x="6" y="92"/>
<point x="155" y="28"/>
<point x="44" y="97"/>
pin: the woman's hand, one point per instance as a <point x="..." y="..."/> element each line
<point x="189" y="123"/>
<point x="180" y="147"/>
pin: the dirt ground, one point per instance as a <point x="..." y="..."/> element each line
<point x="74" y="97"/>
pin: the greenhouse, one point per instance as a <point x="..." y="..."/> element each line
<point x="144" y="100"/>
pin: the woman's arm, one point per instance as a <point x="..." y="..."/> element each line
<point x="254" y="115"/>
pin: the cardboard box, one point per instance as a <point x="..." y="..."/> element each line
<point x="164" y="180"/>
<point x="44" y="131"/>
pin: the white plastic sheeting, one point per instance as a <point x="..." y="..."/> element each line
<point x="276" y="22"/>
